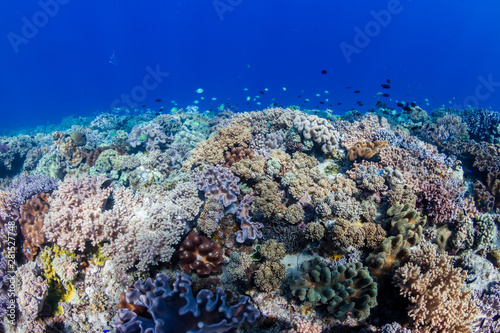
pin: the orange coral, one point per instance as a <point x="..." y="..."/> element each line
<point x="31" y="221"/>
<point x="366" y="150"/>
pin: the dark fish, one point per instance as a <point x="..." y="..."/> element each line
<point x="348" y="87"/>
<point x="157" y="113"/>
<point x="413" y="104"/>
<point x="388" y="81"/>
<point x="299" y="96"/>
<point x="106" y="184"/>
<point x="316" y="106"/>
<point x="357" y="91"/>
<point x="161" y="110"/>
<point x="400" y="104"/>
<point x="158" y="100"/>
<point x="321" y="102"/>
<point x="385" y="95"/>
<point x="385" y="86"/>
<point x="262" y="92"/>
<point x="358" y="102"/>
<point x="324" y="71"/>
<point x="144" y="106"/>
<point x="339" y="103"/>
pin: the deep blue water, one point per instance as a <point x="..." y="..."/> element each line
<point x="59" y="64"/>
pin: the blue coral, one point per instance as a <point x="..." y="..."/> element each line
<point x="221" y="182"/>
<point x="176" y="310"/>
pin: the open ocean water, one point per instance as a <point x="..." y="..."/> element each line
<point x="249" y="166"/>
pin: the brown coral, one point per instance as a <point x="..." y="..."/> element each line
<point x="366" y="150"/>
<point x="68" y="149"/>
<point x="31" y="221"/>
<point x="436" y="292"/>
<point x="345" y="234"/>
<point x="237" y="154"/>
<point x="269" y="276"/>
<point x="407" y="222"/>
<point x="388" y="256"/>
<point x="200" y="254"/>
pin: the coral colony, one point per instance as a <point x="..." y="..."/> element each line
<point x="268" y="221"/>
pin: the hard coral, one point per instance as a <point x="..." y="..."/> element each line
<point x="365" y="150"/>
<point x="31" y="221"/>
<point x="347" y="289"/>
<point x="198" y="253"/>
<point x="202" y="314"/>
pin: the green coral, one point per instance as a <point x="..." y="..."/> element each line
<point x="407" y="222"/>
<point x="59" y="290"/>
<point x="345" y="289"/>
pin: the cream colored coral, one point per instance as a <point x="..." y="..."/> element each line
<point x="317" y="129"/>
<point x="305" y="326"/>
<point x="436" y="291"/>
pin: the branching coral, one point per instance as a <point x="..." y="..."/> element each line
<point x="78" y="214"/>
<point x="269" y="276"/>
<point x="31" y="221"/>
<point x="436" y="292"/>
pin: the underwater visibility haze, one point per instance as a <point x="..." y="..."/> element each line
<point x="250" y="166"/>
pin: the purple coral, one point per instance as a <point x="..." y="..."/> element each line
<point x="4" y="148"/>
<point x="249" y="229"/>
<point x="202" y="314"/>
<point x="26" y="186"/>
<point x="488" y="304"/>
<point x="220" y="182"/>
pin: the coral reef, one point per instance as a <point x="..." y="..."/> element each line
<point x="347" y="290"/>
<point x="219" y="182"/>
<point x="435" y="290"/>
<point x="165" y="313"/>
<point x="366" y="150"/>
<point x="198" y="253"/>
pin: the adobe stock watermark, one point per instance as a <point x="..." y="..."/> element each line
<point x="223" y="6"/>
<point x="30" y="28"/>
<point x="372" y="29"/>
<point x="139" y="93"/>
<point x="484" y="89"/>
